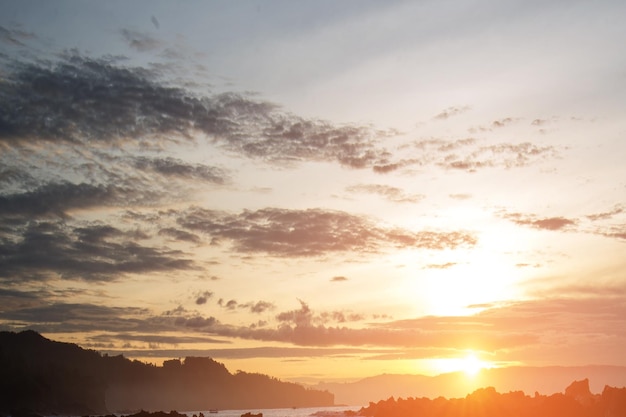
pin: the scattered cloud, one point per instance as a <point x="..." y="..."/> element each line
<point x="469" y="155"/>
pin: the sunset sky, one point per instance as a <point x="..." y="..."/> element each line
<point x="323" y="190"/>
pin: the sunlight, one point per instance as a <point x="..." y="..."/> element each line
<point x="470" y="364"/>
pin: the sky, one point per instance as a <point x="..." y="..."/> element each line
<point x="317" y="190"/>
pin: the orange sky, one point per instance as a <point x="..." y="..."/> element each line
<point x="316" y="190"/>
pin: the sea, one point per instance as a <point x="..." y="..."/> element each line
<point x="334" y="411"/>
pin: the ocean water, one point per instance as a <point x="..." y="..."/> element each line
<point x="336" y="411"/>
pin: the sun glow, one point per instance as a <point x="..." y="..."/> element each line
<point x="470" y="364"/>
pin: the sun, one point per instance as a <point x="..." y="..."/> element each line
<point x="471" y="365"/>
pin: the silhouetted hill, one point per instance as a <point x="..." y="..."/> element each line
<point x="48" y="377"/>
<point x="577" y="401"/>
<point x="545" y="380"/>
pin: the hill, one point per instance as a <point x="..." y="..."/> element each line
<point x="545" y="380"/>
<point x="47" y="377"/>
<point x="576" y="401"/>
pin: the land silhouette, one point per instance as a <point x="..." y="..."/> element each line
<point x="47" y="377"/>
<point x="44" y="377"/>
<point x="576" y="401"/>
<point x="544" y="380"/>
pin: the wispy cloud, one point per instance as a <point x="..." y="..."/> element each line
<point x="390" y="193"/>
<point x="469" y="155"/>
<point x="139" y="41"/>
<point x="451" y="111"/>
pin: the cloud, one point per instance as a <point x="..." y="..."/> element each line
<point x="180" y="235"/>
<point x="546" y="223"/>
<point x="202" y="297"/>
<point x="539" y="330"/>
<point x="607" y="214"/>
<point x="171" y="167"/>
<point x="14" y="36"/>
<point x="469" y="155"/>
<point x="461" y="196"/>
<point x="312" y="232"/>
<point x="57" y="199"/>
<point x="441" y="266"/>
<point x="98" y="101"/>
<point x="496" y="124"/>
<point x="92" y="252"/>
<point x="258" y="307"/>
<point x="393" y="194"/>
<point x="338" y="279"/>
<point x="451" y="111"/>
<point x="140" y="41"/>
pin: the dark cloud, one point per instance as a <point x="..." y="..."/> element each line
<point x="62" y="317"/>
<point x="179" y="235"/>
<point x="202" y="297"/>
<point x="312" y="232"/>
<point x="390" y="193"/>
<point x="56" y="199"/>
<point x="84" y="100"/>
<point x="140" y="41"/>
<point x="196" y="322"/>
<point x="42" y="250"/>
<point x="258" y="307"/>
<point x="171" y="167"/>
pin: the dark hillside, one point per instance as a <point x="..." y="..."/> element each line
<point x="47" y="377"/>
